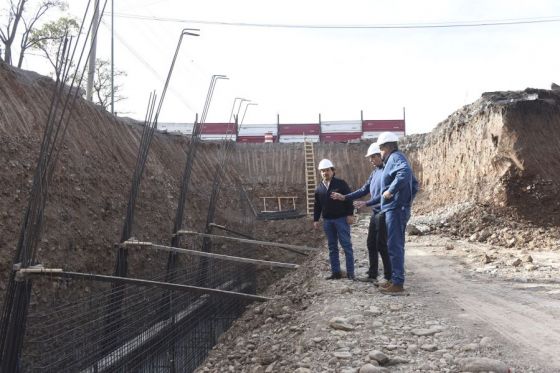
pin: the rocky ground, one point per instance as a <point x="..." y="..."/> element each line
<point x="489" y="242"/>
<point x="478" y="223"/>
<point x="451" y="320"/>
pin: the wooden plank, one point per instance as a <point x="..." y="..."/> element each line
<point x="294" y="248"/>
<point x="258" y="262"/>
<point x="279" y="201"/>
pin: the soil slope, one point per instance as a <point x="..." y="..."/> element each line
<point x="87" y="199"/>
<point x="502" y="150"/>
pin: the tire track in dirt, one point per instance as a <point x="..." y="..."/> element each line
<point x="529" y="323"/>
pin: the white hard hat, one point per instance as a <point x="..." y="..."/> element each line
<point x="373" y="149"/>
<point x="325" y="163"/>
<point x="386" y="137"/>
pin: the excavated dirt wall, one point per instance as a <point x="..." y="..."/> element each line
<point x="88" y="195"/>
<point x="89" y="192"/>
<point x="278" y="169"/>
<point x="282" y="164"/>
<point x="501" y="151"/>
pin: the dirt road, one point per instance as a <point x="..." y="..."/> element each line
<point x="458" y="308"/>
<point x="525" y="317"/>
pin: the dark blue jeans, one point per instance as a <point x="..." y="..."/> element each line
<point x="338" y="230"/>
<point x="395" y="221"/>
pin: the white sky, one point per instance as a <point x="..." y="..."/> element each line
<point x="300" y="73"/>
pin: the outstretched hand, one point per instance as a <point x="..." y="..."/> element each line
<point x="337" y="196"/>
<point x="359" y="204"/>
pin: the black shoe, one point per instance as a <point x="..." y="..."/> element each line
<point x="334" y="276"/>
<point x="367" y="279"/>
<point x="351" y="277"/>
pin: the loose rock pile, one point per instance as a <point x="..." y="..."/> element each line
<point x="485" y="224"/>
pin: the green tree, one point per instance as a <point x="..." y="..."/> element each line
<point x="48" y="37"/>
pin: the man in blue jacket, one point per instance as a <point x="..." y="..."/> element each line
<point x="377" y="234"/>
<point x="399" y="187"/>
<point x="337" y="217"/>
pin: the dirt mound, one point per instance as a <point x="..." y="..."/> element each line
<point x="486" y="224"/>
<point x="503" y="150"/>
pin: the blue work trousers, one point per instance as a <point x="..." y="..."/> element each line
<point x="396" y="221"/>
<point x="338" y="230"/>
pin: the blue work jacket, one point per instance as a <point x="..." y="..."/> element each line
<point x="398" y="179"/>
<point x="372" y="187"/>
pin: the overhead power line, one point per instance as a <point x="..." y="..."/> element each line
<point x="479" y="23"/>
<point x="142" y="60"/>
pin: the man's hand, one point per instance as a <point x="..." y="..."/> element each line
<point x="315" y="225"/>
<point x="337" y="196"/>
<point x="350" y="219"/>
<point x="387" y="195"/>
<point x="359" y="204"/>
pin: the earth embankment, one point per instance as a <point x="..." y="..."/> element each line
<point x="501" y="151"/>
<point x="87" y="198"/>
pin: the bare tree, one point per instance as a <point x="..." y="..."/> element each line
<point x="16" y="15"/>
<point x="26" y="40"/>
<point x="102" y="84"/>
<point x="9" y="30"/>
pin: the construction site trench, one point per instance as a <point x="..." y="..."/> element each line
<point x="482" y="251"/>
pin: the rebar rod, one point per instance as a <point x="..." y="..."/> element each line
<point x="140" y="282"/>
<point x="258" y="262"/>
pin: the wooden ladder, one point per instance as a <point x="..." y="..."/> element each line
<point x="310" y="175"/>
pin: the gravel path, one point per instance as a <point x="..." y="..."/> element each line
<point x="453" y="319"/>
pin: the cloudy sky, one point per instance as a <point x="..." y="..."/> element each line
<point x="299" y="58"/>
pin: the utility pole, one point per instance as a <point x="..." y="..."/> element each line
<point x="404" y="118"/>
<point x="113" y="57"/>
<point x="91" y="64"/>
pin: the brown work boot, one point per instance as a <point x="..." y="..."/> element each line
<point x="384" y="285"/>
<point x="394" y="289"/>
